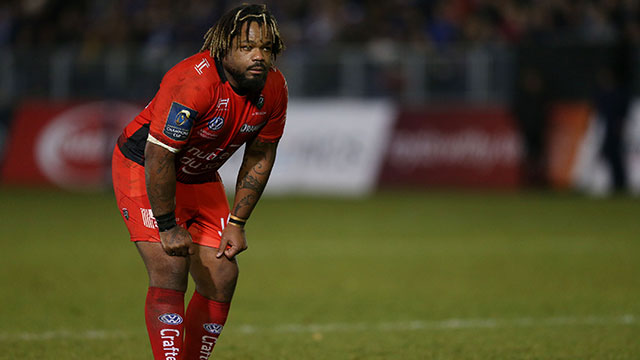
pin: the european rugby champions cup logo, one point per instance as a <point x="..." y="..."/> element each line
<point x="179" y="122"/>
<point x="182" y="117"/>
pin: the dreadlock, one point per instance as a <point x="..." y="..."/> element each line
<point x="218" y="39"/>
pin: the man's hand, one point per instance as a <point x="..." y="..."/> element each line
<point x="234" y="237"/>
<point x="177" y="241"/>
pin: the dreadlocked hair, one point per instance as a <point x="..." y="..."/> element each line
<point x="218" y="39"/>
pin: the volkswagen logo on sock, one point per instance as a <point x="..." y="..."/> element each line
<point x="170" y="319"/>
<point x="213" y="328"/>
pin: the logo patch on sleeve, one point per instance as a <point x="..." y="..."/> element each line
<point x="179" y="122"/>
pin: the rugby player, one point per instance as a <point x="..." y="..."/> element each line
<point x="167" y="186"/>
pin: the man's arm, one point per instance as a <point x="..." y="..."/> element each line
<point x="257" y="163"/>
<point x="160" y="177"/>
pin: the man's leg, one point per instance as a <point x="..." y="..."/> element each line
<point x="215" y="280"/>
<point x="164" y="307"/>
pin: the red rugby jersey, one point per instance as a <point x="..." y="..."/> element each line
<point x="197" y="115"/>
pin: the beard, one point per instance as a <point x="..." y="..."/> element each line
<point x="252" y="84"/>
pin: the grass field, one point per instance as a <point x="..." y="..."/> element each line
<point x="395" y="276"/>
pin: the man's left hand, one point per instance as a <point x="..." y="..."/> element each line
<point x="233" y="242"/>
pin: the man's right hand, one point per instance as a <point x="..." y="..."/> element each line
<point x="177" y="241"/>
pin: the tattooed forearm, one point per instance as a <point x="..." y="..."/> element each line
<point x="160" y="179"/>
<point x="248" y="201"/>
<point x="251" y="183"/>
<point x="164" y="161"/>
<point x="264" y="151"/>
<point x="253" y="176"/>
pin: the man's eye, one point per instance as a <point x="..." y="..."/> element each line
<point x="267" y="48"/>
<point x="246" y="48"/>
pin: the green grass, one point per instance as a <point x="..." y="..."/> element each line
<point x="527" y="276"/>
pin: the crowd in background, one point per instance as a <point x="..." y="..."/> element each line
<point x="421" y="23"/>
<point x="158" y="26"/>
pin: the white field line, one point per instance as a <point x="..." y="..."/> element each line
<point x="450" y="324"/>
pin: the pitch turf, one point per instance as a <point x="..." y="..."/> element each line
<point x="396" y="276"/>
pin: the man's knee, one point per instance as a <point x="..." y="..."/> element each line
<point x="168" y="277"/>
<point x="215" y="278"/>
<point x="219" y="289"/>
<point x="168" y="272"/>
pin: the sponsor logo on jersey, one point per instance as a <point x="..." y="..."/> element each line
<point x="216" y="123"/>
<point x="179" y="122"/>
<point x="125" y="213"/>
<point x="260" y="102"/>
<point x="170" y="319"/>
<point x="223" y="104"/>
<point x="210" y="132"/>
<point x="258" y="113"/>
<point x="205" y="133"/>
<point x="147" y="218"/>
<point x="213" y="328"/>
<point x="246" y="128"/>
<point x="197" y="161"/>
<point x="203" y="64"/>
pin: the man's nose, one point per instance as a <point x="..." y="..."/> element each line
<point x="257" y="55"/>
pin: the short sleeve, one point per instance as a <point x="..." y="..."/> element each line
<point x="274" y="128"/>
<point x="175" y="110"/>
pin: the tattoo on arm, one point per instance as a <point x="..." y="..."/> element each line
<point x="253" y="176"/>
<point x="160" y="179"/>
<point x="251" y="183"/>
<point x="163" y="162"/>
<point x="249" y="200"/>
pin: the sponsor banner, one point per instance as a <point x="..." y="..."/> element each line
<point x="575" y="141"/>
<point x="568" y="127"/>
<point x="328" y="147"/>
<point x="466" y="146"/>
<point x="588" y="169"/>
<point x="65" y="144"/>
<point x="632" y="142"/>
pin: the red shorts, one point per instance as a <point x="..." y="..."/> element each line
<point x="202" y="209"/>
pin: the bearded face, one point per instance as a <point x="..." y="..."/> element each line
<point x="249" y="79"/>
<point x="250" y="59"/>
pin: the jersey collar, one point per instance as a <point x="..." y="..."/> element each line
<point x="223" y="78"/>
<point x="220" y="69"/>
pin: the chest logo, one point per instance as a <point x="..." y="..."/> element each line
<point x="260" y="102"/>
<point x="223" y="104"/>
<point x="216" y="123"/>
<point x="203" y="64"/>
<point x="246" y="128"/>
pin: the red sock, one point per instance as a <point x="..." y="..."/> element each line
<point x="205" y="319"/>
<point x="164" y="314"/>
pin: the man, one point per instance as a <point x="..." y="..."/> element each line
<point x="166" y="181"/>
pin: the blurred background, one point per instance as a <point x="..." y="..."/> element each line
<point x="508" y="94"/>
<point x="428" y="194"/>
